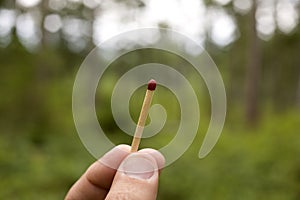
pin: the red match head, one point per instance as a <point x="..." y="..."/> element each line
<point x="152" y="84"/>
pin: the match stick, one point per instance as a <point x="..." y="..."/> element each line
<point x="143" y="116"/>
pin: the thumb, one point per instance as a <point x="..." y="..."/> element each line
<point x="137" y="177"/>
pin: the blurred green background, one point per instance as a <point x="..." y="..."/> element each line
<point x="255" y="44"/>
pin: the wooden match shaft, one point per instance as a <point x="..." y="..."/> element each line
<point x="143" y="116"/>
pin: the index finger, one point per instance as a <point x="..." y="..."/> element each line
<point x="96" y="181"/>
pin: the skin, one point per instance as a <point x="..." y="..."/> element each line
<point x="120" y="174"/>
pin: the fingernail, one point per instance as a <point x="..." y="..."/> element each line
<point x="139" y="166"/>
<point x="114" y="157"/>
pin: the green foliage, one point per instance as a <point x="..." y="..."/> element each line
<point x="261" y="163"/>
<point x="41" y="155"/>
<point x="30" y="171"/>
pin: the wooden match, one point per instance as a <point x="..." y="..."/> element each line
<point x="143" y="116"/>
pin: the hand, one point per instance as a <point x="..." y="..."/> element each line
<point x="131" y="176"/>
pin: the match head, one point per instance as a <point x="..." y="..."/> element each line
<point x="152" y="84"/>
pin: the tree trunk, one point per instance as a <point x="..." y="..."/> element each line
<point x="253" y="70"/>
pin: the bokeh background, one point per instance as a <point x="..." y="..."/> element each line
<point x="255" y="44"/>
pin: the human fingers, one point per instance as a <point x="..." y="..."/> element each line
<point x="137" y="177"/>
<point x="96" y="181"/>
